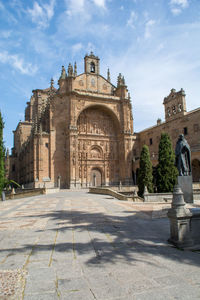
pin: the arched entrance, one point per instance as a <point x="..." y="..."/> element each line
<point x="196" y="170"/>
<point x="95" y="177"/>
<point x="98" y="147"/>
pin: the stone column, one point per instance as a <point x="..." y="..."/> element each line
<point x="179" y="217"/>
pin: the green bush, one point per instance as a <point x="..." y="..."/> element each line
<point x="166" y="171"/>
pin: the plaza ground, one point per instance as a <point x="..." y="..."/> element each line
<point x="76" y="245"/>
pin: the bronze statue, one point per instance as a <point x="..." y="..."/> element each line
<point x="183" y="156"/>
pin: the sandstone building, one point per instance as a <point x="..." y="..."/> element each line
<point x="177" y="121"/>
<point x="78" y="135"/>
<point x="81" y="134"/>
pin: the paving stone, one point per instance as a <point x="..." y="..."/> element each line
<point x="41" y="296"/>
<point x="66" y="285"/>
<point x="41" y="273"/>
<point x="39" y="286"/>
<point x="74" y="245"/>
<point x="77" y="295"/>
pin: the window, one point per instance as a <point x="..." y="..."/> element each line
<point x="168" y="112"/>
<point x="150" y="141"/>
<point x="92" y="67"/>
<point x="179" y="107"/>
<point x="185" y="130"/>
<point x="174" y="109"/>
<point x="47" y="145"/>
<point x="13" y="168"/>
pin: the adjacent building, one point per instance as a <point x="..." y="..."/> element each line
<point x="177" y="121"/>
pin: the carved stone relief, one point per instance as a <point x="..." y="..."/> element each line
<point x="96" y="122"/>
<point x="97" y="135"/>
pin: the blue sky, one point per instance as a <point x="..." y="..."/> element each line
<point x="155" y="44"/>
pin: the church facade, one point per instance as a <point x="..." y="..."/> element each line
<point x="78" y="135"/>
<point x="81" y="134"/>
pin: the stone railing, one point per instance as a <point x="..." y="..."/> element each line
<point x="158" y="197"/>
<point x="23" y="193"/>
<point x="113" y="193"/>
<point x="167" y="197"/>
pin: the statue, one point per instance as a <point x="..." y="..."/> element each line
<point x="183" y="156"/>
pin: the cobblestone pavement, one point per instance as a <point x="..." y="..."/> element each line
<point x="75" y="245"/>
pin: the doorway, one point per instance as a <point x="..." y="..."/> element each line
<point x="96" y="177"/>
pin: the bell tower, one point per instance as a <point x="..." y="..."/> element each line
<point x="175" y="105"/>
<point x="92" y="64"/>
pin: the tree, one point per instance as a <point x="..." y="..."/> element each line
<point x="166" y="171"/>
<point x="2" y="154"/>
<point x="145" y="177"/>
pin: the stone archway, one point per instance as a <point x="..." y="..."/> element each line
<point x="196" y="170"/>
<point x="95" y="177"/>
<point x="98" y="146"/>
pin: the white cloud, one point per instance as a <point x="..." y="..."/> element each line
<point x="74" y="6"/>
<point x="42" y="14"/>
<point x="90" y="47"/>
<point x="76" y="48"/>
<point x="5" y="34"/>
<point x="100" y="3"/>
<point x="2" y="6"/>
<point x="132" y="19"/>
<point x="148" y="27"/>
<point x="182" y="3"/>
<point x="176" y="11"/>
<point x="17" y="63"/>
<point x="177" y="6"/>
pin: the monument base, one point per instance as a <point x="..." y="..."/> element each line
<point x="185" y="183"/>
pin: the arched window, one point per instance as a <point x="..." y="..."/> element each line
<point x="92" y="67"/>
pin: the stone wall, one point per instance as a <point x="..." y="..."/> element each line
<point x="30" y="193"/>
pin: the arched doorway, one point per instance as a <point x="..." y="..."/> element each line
<point x="196" y="170"/>
<point x="98" y="146"/>
<point x="96" y="177"/>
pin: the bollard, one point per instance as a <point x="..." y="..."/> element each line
<point x="179" y="217"/>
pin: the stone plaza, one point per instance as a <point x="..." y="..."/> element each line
<point x="76" y="245"/>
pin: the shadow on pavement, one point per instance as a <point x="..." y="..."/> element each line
<point x="109" y="237"/>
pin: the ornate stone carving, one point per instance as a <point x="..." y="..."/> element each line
<point x="96" y="122"/>
<point x="81" y="83"/>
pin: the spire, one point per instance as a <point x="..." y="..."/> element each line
<point x="63" y="73"/>
<point x="75" y="69"/>
<point x="70" y="70"/>
<point x="120" y="80"/>
<point x="52" y="83"/>
<point x="108" y="75"/>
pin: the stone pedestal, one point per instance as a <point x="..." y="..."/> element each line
<point x="179" y="216"/>
<point x="185" y="183"/>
